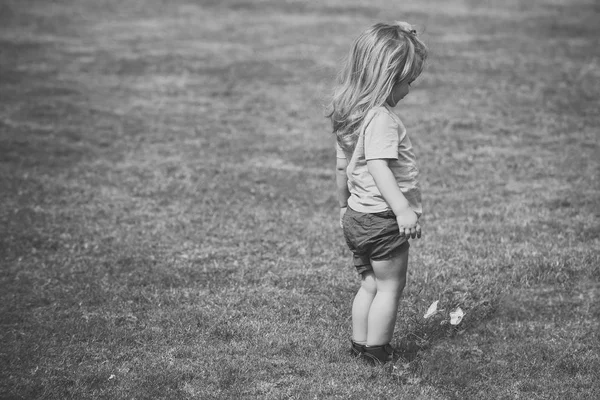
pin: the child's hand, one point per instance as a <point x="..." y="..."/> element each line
<point x="408" y="224"/>
<point x="342" y="212"/>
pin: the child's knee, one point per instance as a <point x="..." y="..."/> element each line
<point x="394" y="286"/>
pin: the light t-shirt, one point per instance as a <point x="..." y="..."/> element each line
<point x="382" y="136"/>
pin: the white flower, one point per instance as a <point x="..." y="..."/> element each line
<point x="431" y="310"/>
<point x="456" y="316"/>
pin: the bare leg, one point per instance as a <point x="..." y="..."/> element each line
<point x="390" y="279"/>
<point x="360" y="307"/>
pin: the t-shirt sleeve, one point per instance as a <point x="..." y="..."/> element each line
<point x="381" y="137"/>
<point x="338" y="150"/>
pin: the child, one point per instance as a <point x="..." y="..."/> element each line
<point x="378" y="191"/>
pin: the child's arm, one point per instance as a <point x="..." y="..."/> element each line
<point x="341" y="180"/>
<point x="408" y="221"/>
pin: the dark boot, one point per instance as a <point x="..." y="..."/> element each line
<point x="357" y="349"/>
<point x="378" y="355"/>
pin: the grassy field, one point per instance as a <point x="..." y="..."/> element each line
<point x="168" y="222"/>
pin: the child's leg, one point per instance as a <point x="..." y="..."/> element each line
<point x="361" y="305"/>
<point x="390" y="278"/>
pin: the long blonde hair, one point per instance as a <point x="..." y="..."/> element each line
<point x="380" y="57"/>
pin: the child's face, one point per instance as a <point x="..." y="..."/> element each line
<point x="399" y="91"/>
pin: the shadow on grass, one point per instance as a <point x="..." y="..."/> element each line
<point x="425" y="333"/>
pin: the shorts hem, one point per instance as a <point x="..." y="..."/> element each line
<point x="362" y="268"/>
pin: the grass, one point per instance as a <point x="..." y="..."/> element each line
<point x="168" y="221"/>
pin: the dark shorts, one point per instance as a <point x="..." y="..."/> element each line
<point x="372" y="237"/>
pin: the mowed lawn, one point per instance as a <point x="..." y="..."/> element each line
<point x="168" y="221"/>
